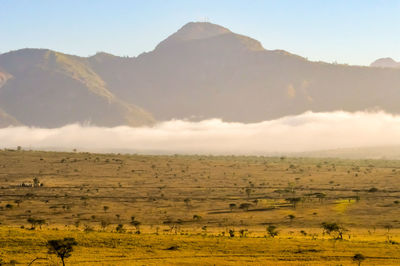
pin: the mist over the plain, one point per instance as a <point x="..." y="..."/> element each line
<point x="300" y="133"/>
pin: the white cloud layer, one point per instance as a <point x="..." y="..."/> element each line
<point x="306" y="132"/>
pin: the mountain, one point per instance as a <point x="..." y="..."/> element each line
<point x="204" y="70"/>
<point x="385" y="62"/>
<point x="50" y="89"/>
<point x="201" y="71"/>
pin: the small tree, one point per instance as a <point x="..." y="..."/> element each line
<point x="243" y="232"/>
<point x="120" y="228"/>
<point x="32" y="221"/>
<point x="40" y="222"/>
<point x="105" y="208"/>
<point x="320" y="196"/>
<point x="291" y="217"/>
<point x="358" y="258"/>
<point x="104" y="224"/>
<point x="248" y="192"/>
<point x="18" y="202"/>
<point x="35" y="222"/>
<point x="135" y="223"/>
<point x="61" y="247"/>
<point x="77" y="223"/>
<point x="272" y="231"/>
<point x="232" y="206"/>
<point x="36" y="182"/>
<point x="187" y="202"/>
<point x="196" y="217"/>
<point x="293" y="201"/>
<point x="245" y="206"/>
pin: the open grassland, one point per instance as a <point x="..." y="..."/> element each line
<point x="105" y="248"/>
<point x="182" y="209"/>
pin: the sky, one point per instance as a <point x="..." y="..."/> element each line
<point x="355" y="32"/>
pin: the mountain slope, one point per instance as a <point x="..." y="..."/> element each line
<point x="4" y="76"/>
<point x="50" y="89"/>
<point x="204" y="70"/>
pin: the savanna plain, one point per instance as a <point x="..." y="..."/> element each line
<point x="206" y="210"/>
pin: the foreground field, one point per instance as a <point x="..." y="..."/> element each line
<point x="127" y="209"/>
<point x="104" y="248"/>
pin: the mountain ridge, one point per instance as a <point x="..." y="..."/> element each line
<point x="201" y="71"/>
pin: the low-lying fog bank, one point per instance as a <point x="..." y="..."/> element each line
<point x="300" y="133"/>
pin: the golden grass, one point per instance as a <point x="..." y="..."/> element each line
<point x="105" y="248"/>
<point x="185" y="201"/>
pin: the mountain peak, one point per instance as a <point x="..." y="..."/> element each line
<point x="385" y="62"/>
<point x="198" y="31"/>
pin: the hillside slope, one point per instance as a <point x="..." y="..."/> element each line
<point x="50" y="89"/>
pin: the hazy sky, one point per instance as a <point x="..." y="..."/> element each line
<point x="346" y="31"/>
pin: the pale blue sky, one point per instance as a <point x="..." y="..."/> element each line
<point x="346" y="31"/>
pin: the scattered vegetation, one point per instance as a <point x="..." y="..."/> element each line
<point x="192" y="201"/>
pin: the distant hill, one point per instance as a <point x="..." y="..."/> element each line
<point x="51" y="89"/>
<point x="384" y="152"/>
<point x="201" y="71"/>
<point x="385" y="62"/>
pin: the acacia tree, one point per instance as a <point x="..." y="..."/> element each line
<point x="333" y="229"/>
<point x="104" y="224"/>
<point x="62" y="248"/>
<point x="358" y="258"/>
<point x="36" y="182"/>
<point x="187" y="202"/>
<point x="35" y="222"/>
<point x="293" y="201"/>
<point x="245" y="206"/>
<point x="272" y="231"/>
<point x="291" y="217"/>
<point x="32" y="221"/>
<point x="135" y="223"/>
<point x="120" y="228"/>
<point x="248" y="192"/>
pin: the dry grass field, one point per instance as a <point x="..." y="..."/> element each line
<point x="197" y="209"/>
